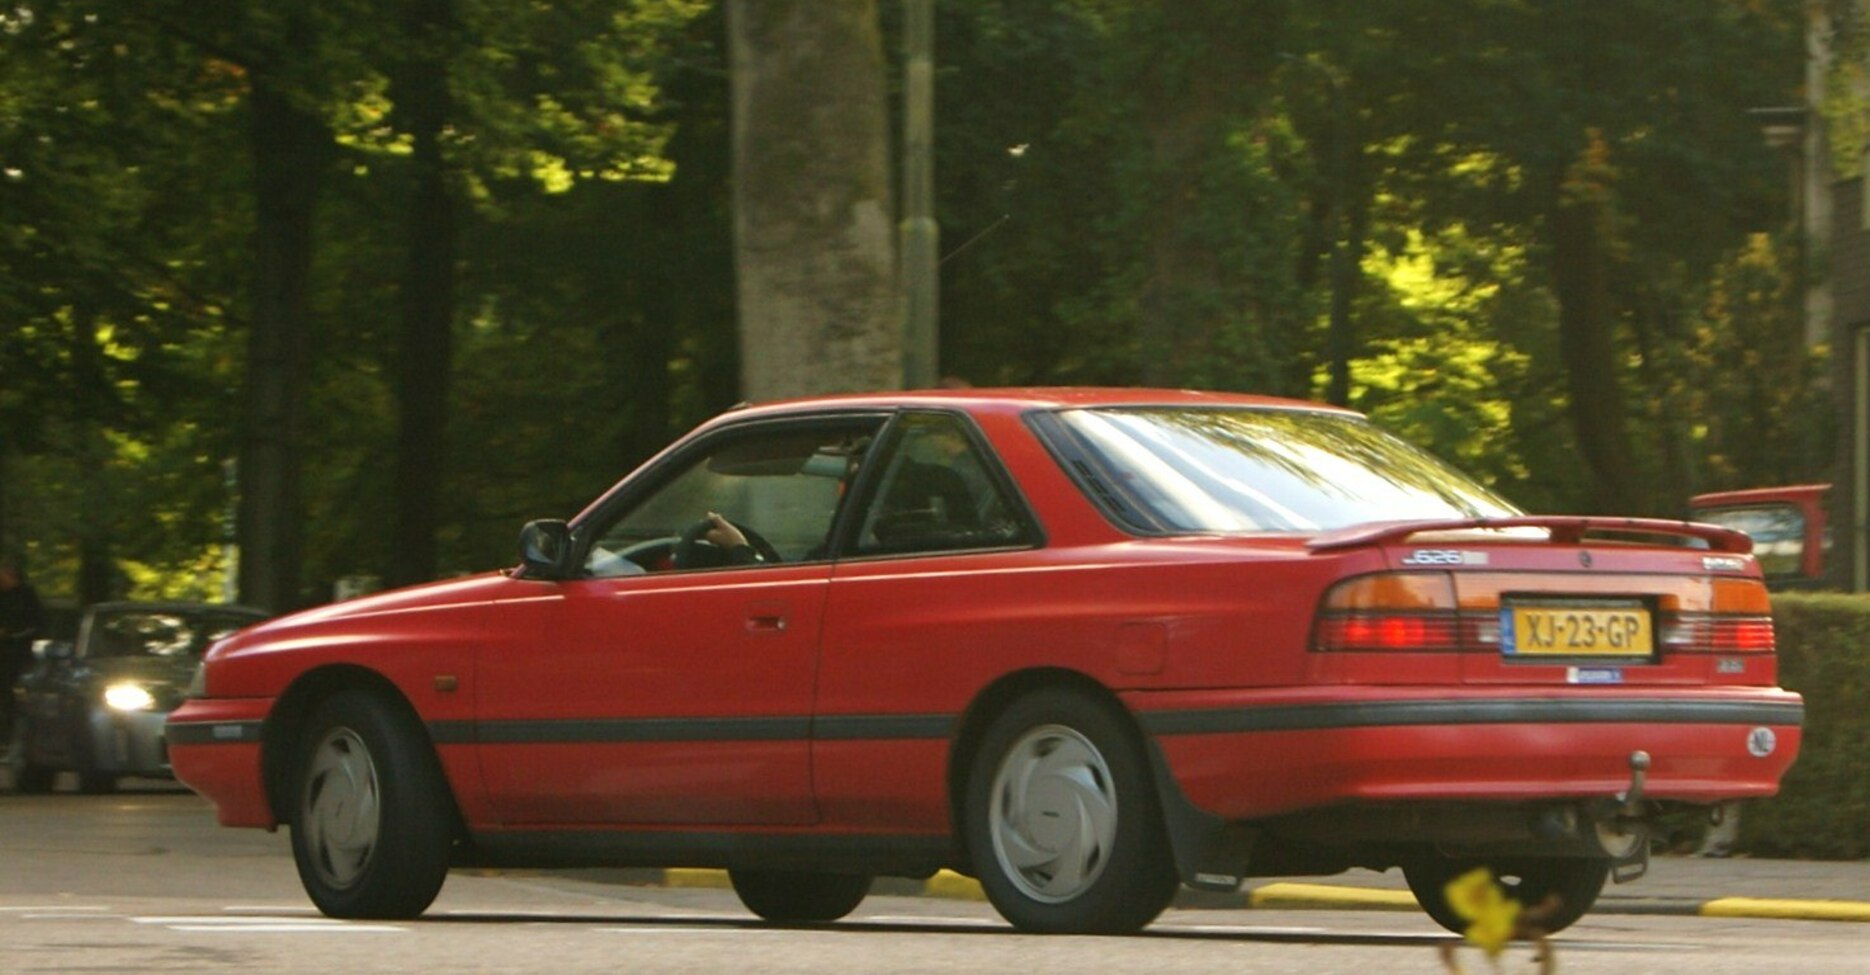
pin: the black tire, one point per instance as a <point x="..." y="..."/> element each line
<point x="799" y="896"/>
<point x="1576" y="881"/>
<point x="1063" y="824"/>
<point x="372" y="820"/>
<point x="93" y="783"/>
<point x="28" y="777"/>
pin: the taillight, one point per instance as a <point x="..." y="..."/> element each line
<point x="1394" y="611"/>
<point x="1740" y="621"/>
<point x="1419" y="611"/>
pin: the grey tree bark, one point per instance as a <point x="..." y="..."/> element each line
<point x="820" y="307"/>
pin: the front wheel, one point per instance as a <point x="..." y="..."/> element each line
<point x="27" y="776"/>
<point x="1063" y="825"/>
<point x="799" y="896"/>
<point x="372" y="822"/>
<point x="1562" y="889"/>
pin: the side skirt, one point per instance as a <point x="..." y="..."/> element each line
<point x="884" y="855"/>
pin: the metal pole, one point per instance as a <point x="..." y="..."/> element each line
<point x="919" y="236"/>
<point x="1860" y="460"/>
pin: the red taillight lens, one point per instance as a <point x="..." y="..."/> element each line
<point x="1388" y="632"/>
<point x="1393" y="611"/>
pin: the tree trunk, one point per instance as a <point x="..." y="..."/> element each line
<point x="1588" y="350"/>
<point x="814" y="232"/>
<point x="291" y="150"/>
<point x="425" y="352"/>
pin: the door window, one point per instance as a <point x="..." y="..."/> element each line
<point x="938" y="492"/>
<point x="779" y="489"/>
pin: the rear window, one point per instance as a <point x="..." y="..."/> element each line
<point x="1230" y="470"/>
<point x="1777" y="530"/>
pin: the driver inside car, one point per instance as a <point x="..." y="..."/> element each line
<point x="723" y="535"/>
<point x="730" y="541"/>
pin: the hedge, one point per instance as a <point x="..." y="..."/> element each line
<point x="1823" y="808"/>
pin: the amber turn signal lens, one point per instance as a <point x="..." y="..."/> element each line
<point x="1417" y="591"/>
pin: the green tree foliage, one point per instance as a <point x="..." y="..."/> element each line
<point x="1547" y="229"/>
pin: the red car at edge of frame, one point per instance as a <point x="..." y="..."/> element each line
<point x="1084" y="645"/>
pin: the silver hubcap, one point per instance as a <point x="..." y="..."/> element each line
<point x="1053" y="814"/>
<point x="342" y="814"/>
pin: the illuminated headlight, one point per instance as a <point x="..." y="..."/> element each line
<point x="128" y="697"/>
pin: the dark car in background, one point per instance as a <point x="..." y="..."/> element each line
<point x="95" y="705"/>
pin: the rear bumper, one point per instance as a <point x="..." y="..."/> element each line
<point x="214" y="749"/>
<point x="1251" y="754"/>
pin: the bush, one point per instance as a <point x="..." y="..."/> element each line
<point x="1823" y="808"/>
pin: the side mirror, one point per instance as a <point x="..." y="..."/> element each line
<point x="52" y="649"/>
<point x="544" y="549"/>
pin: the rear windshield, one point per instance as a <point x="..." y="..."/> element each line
<point x="1180" y="469"/>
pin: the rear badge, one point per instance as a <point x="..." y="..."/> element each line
<point x="1444" y="556"/>
<point x="1722" y="563"/>
<point x="1761" y="742"/>
<point x="1730" y="665"/>
<point x="1594" y="675"/>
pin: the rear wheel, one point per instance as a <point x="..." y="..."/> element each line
<point x="799" y="896"/>
<point x="372" y="822"/>
<point x="1570" y="883"/>
<point x="1063" y="825"/>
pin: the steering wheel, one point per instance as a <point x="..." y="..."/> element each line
<point x="689" y="546"/>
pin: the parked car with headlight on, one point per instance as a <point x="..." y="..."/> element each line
<point x="96" y="705"/>
<point x="1083" y="645"/>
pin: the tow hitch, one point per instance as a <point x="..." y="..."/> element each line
<point x="1623" y="825"/>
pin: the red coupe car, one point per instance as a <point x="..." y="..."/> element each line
<point x="1085" y="645"/>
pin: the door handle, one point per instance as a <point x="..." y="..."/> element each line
<point x="767" y="616"/>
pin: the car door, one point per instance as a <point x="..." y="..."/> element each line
<point x="673" y="681"/>
<point x="939" y="585"/>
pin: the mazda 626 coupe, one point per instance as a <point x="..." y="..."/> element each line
<point x="1084" y="645"/>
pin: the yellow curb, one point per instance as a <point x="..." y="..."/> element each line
<point x="1287" y="895"/>
<point x="954" y="886"/>
<point x="1797" y="910"/>
<point x="696" y="878"/>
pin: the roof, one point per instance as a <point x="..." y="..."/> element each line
<point x="174" y="606"/>
<point x="1033" y="398"/>
<point x="1791" y="492"/>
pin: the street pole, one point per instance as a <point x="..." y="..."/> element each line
<point x="919" y="235"/>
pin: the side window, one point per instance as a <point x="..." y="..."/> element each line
<point x="936" y="492"/>
<point x="779" y="489"/>
<point x="1778" y="532"/>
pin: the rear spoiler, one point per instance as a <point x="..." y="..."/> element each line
<point x="1565" y="529"/>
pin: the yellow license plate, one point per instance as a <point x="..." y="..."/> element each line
<point x="1595" y="628"/>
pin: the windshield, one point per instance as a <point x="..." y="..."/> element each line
<point x="159" y="633"/>
<point x="1186" y="469"/>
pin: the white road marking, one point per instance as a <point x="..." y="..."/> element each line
<point x="707" y="930"/>
<point x="289" y="928"/>
<point x="974" y="922"/>
<point x="249" y="924"/>
<point x="1234" y="929"/>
